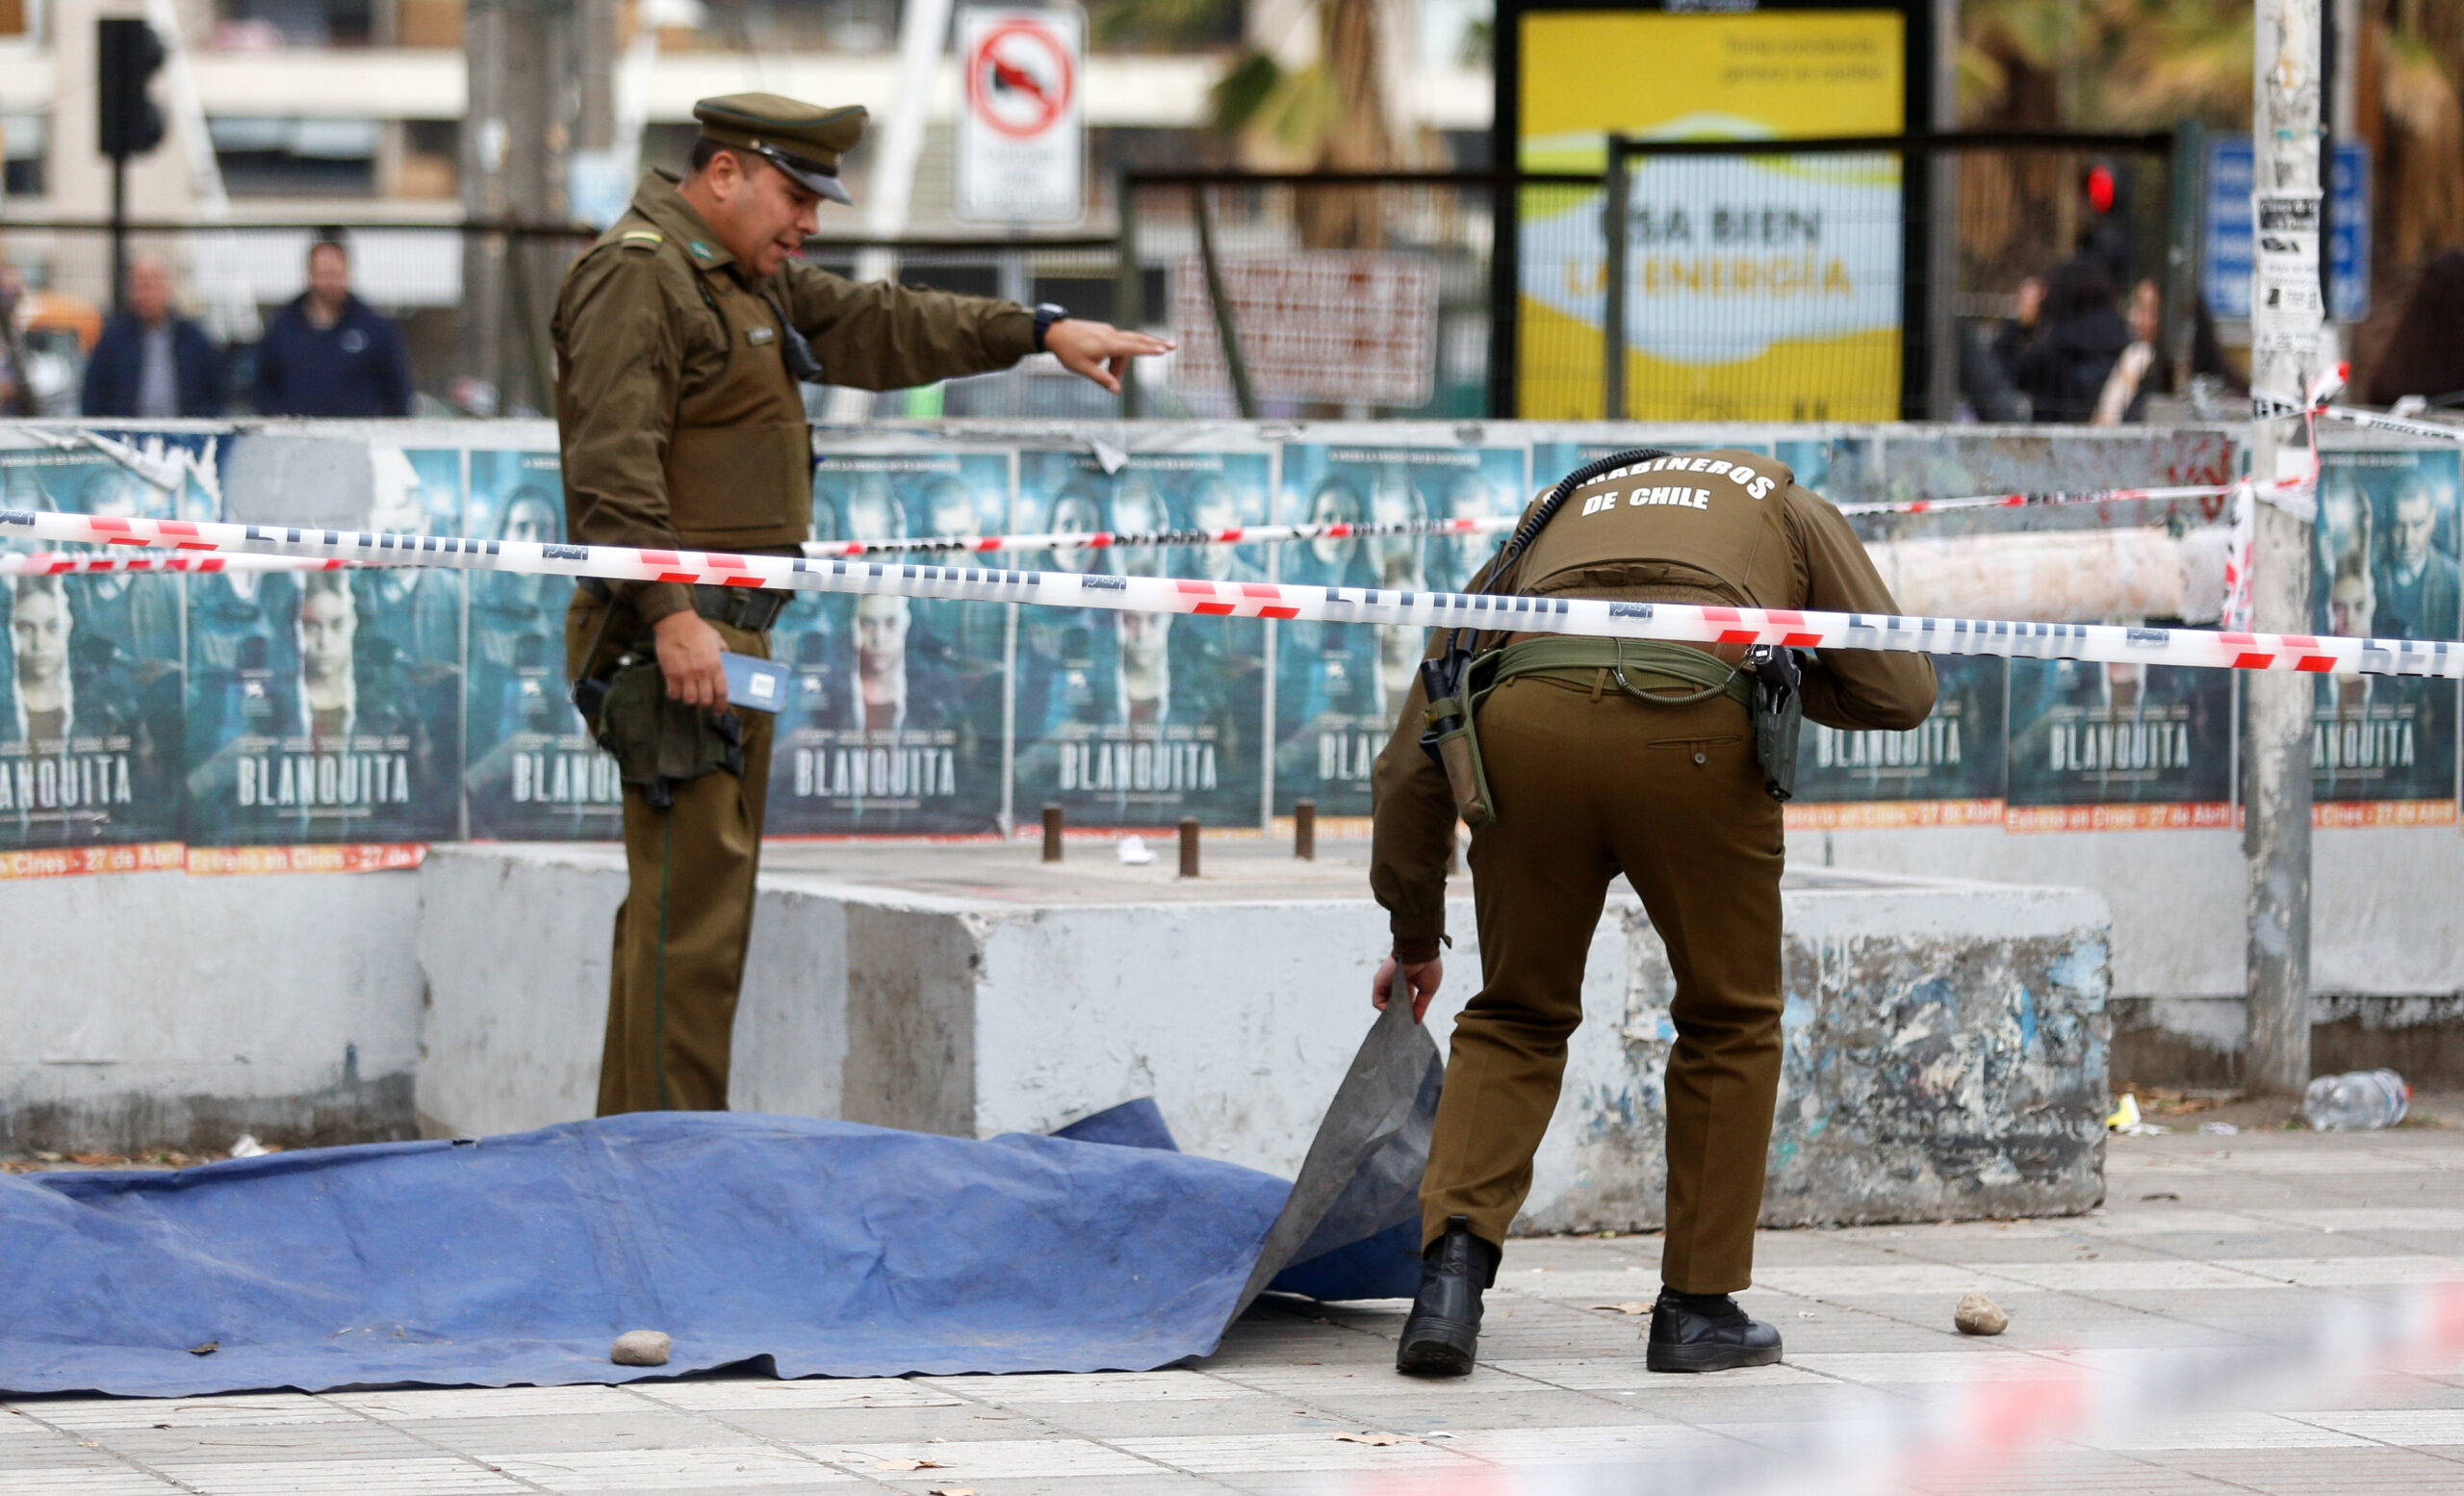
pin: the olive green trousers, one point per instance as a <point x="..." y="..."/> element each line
<point x="687" y="917"/>
<point x="1589" y="784"/>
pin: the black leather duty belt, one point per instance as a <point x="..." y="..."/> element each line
<point x="754" y="610"/>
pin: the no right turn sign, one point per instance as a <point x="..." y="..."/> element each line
<point x="1023" y="133"/>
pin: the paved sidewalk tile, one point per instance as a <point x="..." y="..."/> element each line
<point x="726" y="1468"/>
<point x="116" y="1480"/>
<point x="432" y="1476"/>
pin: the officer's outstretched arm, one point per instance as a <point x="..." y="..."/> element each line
<point x="877" y="335"/>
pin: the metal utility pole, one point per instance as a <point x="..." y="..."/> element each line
<point x="2286" y="316"/>
<point x="524" y="95"/>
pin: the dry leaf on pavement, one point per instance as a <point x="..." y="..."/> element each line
<point x="1382" y="1440"/>
<point x="1628" y="1307"/>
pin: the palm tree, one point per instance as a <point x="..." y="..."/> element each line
<point x="1332" y="115"/>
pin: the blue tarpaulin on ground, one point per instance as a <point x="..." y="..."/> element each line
<point x="830" y="1247"/>
<point x="804" y="1247"/>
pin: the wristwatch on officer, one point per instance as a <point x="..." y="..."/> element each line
<point x="1046" y="314"/>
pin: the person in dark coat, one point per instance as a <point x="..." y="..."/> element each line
<point x="329" y="353"/>
<point x="2081" y="335"/>
<point x="152" y="363"/>
<point x="2425" y="354"/>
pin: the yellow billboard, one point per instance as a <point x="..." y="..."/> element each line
<point x="1758" y="287"/>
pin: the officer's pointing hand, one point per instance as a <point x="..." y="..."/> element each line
<point x="1098" y="351"/>
<point x="1420" y="978"/>
<point x="688" y="660"/>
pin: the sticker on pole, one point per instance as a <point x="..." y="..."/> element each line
<point x="1022" y="137"/>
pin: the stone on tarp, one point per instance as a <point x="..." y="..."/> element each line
<point x="639" y="1348"/>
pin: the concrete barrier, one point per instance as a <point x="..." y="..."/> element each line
<point x="160" y="1010"/>
<point x="1945" y="1039"/>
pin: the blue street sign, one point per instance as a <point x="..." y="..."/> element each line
<point x="2224" y="280"/>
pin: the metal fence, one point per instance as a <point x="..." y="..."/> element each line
<point x="476" y="300"/>
<point x="1825" y="279"/>
<point x="1829" y="279"/>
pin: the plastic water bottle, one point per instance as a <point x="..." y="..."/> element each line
<point x="2356" y="1101"/>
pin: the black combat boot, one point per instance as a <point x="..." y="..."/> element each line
<point x="1444" y="1325"/>
<point x="1703" y="1332"/>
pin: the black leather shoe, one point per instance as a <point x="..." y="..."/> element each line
<point x="1704" y="1332"/>
<point x="1445" y="1324"/>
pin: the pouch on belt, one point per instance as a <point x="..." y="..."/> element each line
<point x="657" y="743"/>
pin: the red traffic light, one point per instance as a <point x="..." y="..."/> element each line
<point x="2100" y="188"/>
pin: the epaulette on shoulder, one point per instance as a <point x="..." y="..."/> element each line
<point x="644" y="240"/>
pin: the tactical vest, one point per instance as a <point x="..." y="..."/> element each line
<point x="740" y="460"/>
<point x="1709" y="522"/>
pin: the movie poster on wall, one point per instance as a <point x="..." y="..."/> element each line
<point x="1133" y="720"/>
<point x="2111" y="746"/>
<point x="2383" y="749"/>
<point x="532" y="772"/>
<point x="894" y="719"/>
<point x="91" y="667"/>
<point x="325" y="708"/>
<point x="1946" y="771"/>
<point x="1339" y="686"/>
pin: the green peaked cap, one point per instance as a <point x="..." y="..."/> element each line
<point x="804" y="140"/>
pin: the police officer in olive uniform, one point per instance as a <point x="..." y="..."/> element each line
<point x="681" y="337"/>
<point x="1598" y="757"/>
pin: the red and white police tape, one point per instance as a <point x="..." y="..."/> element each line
<point x="53" y="563"/>
<point x="1684" y="623"/>
<point x="57" y="564"/>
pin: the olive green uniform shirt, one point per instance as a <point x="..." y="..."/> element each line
<point x="679" y="424"/>
<point x="1718" y="527"/>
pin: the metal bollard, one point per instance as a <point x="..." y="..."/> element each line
<point x="1188" y="846"/>
<point x="1052" y="833"/>
<point x="1304" y="830"/>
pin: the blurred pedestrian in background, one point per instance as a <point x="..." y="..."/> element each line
<point x="329" y="353"/>
<point x="17" y="375"/>
<point x="150" y="362"/>
<point x="2138" y="371"/>
<point x="2078" y="340"/>
<point x="2027" y="316"/>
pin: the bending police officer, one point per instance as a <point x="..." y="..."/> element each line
<point x="1587" y="758"/>
<point x="681" y="337"/>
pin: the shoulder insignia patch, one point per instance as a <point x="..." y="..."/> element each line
<point x="641" y="239"/>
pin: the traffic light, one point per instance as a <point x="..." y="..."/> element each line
<point x="2099" y="187"/>
<point x="2107" y="232"/>
<point x="127" y="53"/>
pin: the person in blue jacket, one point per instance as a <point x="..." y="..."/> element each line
<point x="329" y="353"/>
<point x="150" y="362"/>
